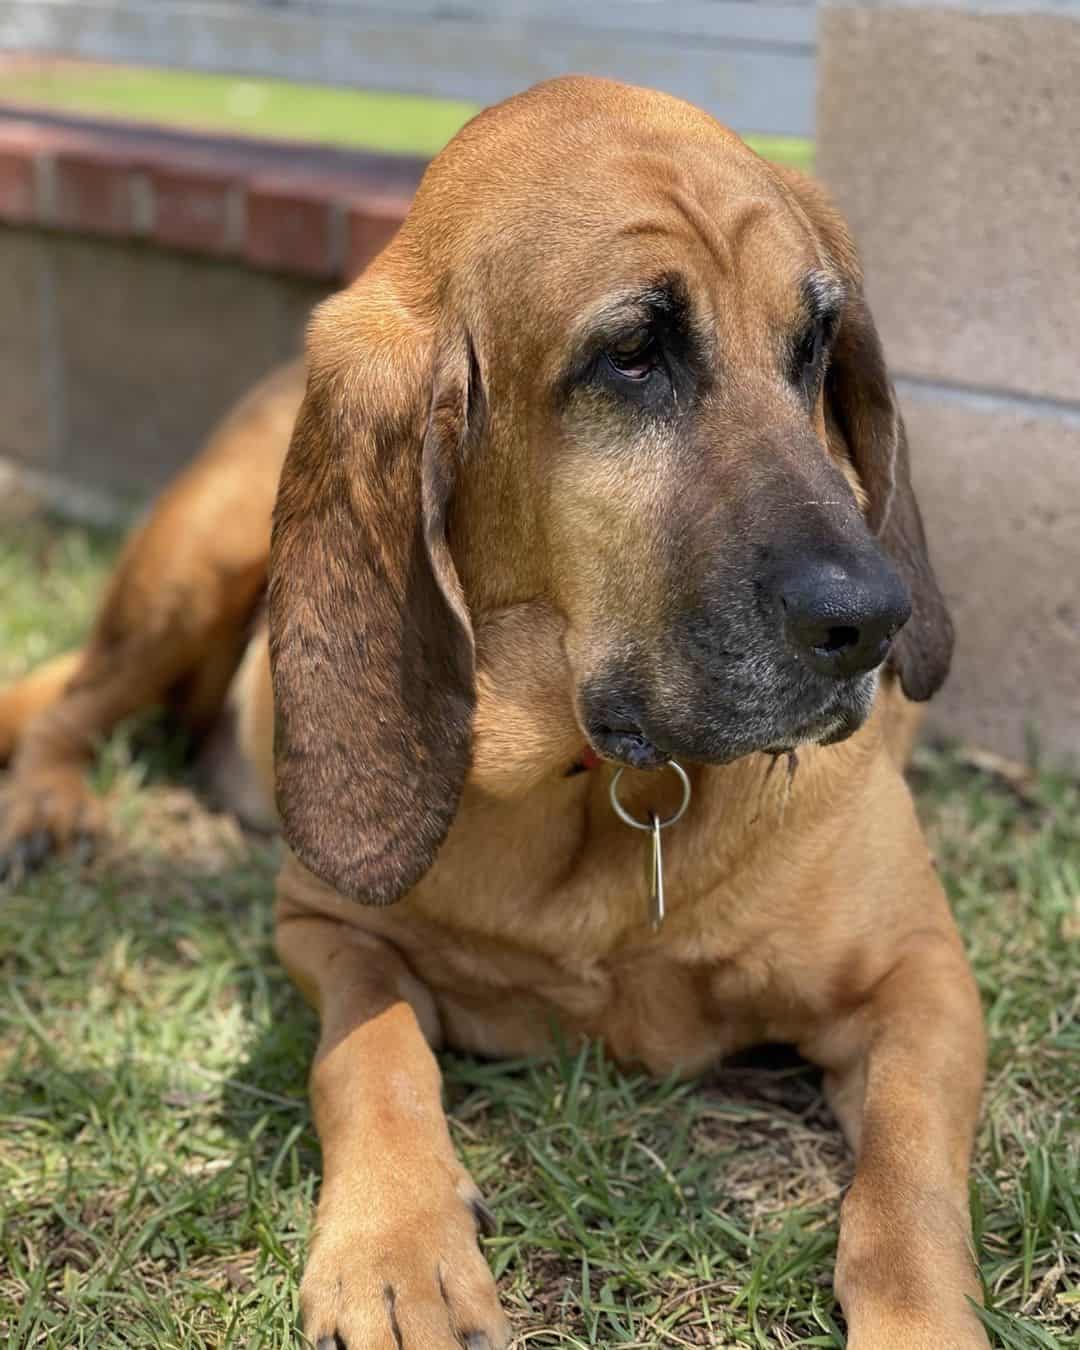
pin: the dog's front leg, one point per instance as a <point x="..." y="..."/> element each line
<point x="394" y="1261"/>
<point x="907" y="1097"/>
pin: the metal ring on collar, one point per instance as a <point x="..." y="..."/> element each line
<point x="625" y="816"/>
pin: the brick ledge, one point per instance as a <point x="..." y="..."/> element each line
<point x="288" y="207"/>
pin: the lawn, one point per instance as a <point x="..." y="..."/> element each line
<point x="361" y="119"/>
<point x="157" y="1162"/>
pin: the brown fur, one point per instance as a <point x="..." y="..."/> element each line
<point x="463" y="546"/>
<point x="171" y="629"/>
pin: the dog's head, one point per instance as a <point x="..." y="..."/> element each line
<point x="614" y="361"/>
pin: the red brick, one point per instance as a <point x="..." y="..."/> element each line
<point x="370" y="224"/>
<point x="17" y="204"/>
<point x="321" y="219"/>
<point x="93" y="193"/>
<point x="195" y="210"/>
<point x="291" y="229"/>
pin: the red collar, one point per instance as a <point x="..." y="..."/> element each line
<point x="588" y="759"/>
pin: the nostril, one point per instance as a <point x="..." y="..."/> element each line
<point x="838" y="639"/>
<point x="841" y="619"/>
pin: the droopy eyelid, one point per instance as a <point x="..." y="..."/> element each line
<point x="823" y="295"/>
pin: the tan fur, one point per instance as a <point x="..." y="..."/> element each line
<point x="431" y="625"/>
<point x="171" y="629"/>
<point x="23" y="700"/>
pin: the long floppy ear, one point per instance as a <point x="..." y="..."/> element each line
<point x="861" y="406"/>
<point x="371" y="646"/>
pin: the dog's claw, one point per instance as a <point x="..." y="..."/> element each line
<point x="32" y="851"/>
<point x="25" y="854"/>
<point x="48" y="814"/>
<point x="333" y="1342"/>
<point x="476" y="1340"/>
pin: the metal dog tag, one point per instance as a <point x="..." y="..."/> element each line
<point x="654" y="869"/>
<point x="656" y="874"/>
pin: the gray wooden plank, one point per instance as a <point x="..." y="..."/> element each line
<point x="756" y="85"/>
<point x="785" y="22"/>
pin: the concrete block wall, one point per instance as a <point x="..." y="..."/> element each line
<point x="147" y="279"/>
<point x="949" y="135"/>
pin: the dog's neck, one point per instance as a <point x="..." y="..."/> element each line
<point x="532" y="779"/>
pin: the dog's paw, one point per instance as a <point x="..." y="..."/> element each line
<point x="43" y="813"/>
<point x="417" y="1282"/>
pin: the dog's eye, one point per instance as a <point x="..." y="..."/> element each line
<point x="810" y="356"/>
<point x="810" y="353"/>
<point x="635" y="357"/>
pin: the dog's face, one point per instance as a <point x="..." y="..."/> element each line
<point x="639" y="381"/>
<point x="722" y="589"/>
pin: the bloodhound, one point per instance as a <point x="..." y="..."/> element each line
<point x="597" y="470"/>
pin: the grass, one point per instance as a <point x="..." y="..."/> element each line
<point x="157" y="1164"/>
<point x="360" y="119"/>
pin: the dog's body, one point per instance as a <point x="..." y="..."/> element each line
<point x="503" y="544"/>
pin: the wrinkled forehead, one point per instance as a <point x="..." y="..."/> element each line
<point x="577" y="236"/>
<point x="739" y="251"/>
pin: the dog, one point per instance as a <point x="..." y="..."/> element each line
<point x="597" y="485"/>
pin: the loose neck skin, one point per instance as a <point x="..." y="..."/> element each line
<point x="560" y="827"/>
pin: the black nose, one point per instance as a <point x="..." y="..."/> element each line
<point x="842" y="618"/>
